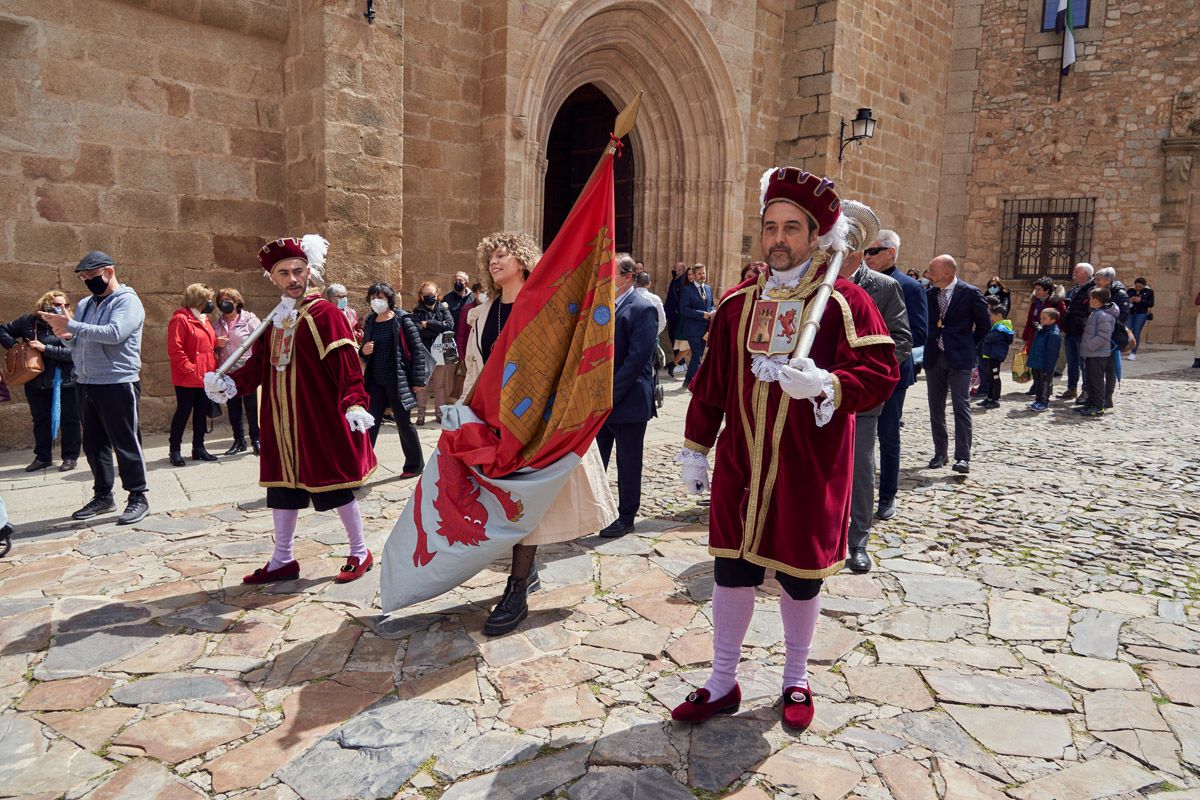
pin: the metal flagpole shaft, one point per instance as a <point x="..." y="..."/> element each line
<point x="246" y="344"/>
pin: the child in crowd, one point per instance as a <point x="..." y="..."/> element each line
<point x="995" y="350"/>
<point x="1096" y="347"/>
<point x="1043" y="356"/>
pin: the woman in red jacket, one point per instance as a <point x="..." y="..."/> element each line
<point x="191" y="349"/>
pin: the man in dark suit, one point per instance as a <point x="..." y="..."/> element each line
<point x="679" y="278"/>
<point x="636" y="337"/>
<point x="695" y="309"/>
<point x="958" y="321"/>
<point x="881" y="257"/>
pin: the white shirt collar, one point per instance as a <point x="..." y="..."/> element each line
<point x="950" y="287"/>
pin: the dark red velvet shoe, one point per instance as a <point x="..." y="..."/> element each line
<point x="697" y="708"/>
<point x="288" y="572"/>
<point x="354" y="569"/>
<point x="797" y="711"/>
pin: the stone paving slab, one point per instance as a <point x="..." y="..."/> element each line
<point x="1004" y="647"/>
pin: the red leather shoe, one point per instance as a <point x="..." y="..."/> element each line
<point x="797" y="711"/>
<point x="697" y="708"/>
<point x="288" y="572"/>
<point x="353" y="569"/>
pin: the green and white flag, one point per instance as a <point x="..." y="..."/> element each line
<point x="1065" y="24"/>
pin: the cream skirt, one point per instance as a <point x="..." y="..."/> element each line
<point x="583" y="507"/>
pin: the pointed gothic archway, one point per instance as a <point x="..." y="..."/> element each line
<point x="688" y="144"/>
<point x="577" y="138"/>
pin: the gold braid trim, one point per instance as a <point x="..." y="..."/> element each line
<point x="837" y="390"/>
<point x="318" y="489"/>
<point x="688" y="444"/>
<point x="852" y="336"/>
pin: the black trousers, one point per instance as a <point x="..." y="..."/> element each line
<point x="40" y="401"/>
<point x="1043" y="384"/>
<point x="110" y="424"/>
<point x="246" y="405"/>
<point x="285" y="497"/>
<point x="189" y="401"/>
<point x="737" y="572"/>
<point x="1099" y="380"/>
<point x="383" y="395"/>
<point x="991" y="372"/>
<point x="629" y="438"/>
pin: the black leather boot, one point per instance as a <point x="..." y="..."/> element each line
<point x="512" y="608"/>
<point x="177" y="459"/>
<point x="238" y="446"/>
<point x="200" y="454"/>
<point x="254" y="446"/>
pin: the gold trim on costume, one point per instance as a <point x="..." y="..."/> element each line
<point x="688" y="444"/>
<point x="852" y="337"/>
<point x="747" y="311"/>
<point x="772" y="469"/>
<point x="756" y="458"/>
<point x="837" y="390"/>
<point x="319" y="489"/>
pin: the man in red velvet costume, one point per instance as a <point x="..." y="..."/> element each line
<point x="784" y="462"/>
<point x="314" y="429"/>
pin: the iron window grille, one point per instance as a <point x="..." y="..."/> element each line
<point x="1046" y="236"/>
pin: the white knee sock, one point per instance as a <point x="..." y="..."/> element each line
<point x="799" y="625"/>
<point x="733" y="606"/>
<point x="352" y="519"/>
<point x="285" y="533"/>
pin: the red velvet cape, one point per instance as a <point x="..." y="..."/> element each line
<point x="781" y="485"/>
<point x="305" y="440"/>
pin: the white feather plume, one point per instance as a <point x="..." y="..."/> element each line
<point x="763" y="183"/>
<point x="836" y="237"/>
<point x="315" y="248"/>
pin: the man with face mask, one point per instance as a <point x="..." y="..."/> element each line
<point x="106" y="347"/>
<point x="457" y="299"/>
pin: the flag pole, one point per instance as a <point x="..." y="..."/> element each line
<point x="1060" y="77"/>
<point x="625" y="121"/>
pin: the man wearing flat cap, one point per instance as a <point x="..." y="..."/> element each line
<point x="105" y="339"/>
<point x="313" y="435"/>
<point x="782" y="479"/>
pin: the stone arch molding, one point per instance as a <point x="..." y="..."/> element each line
<point x="688" y="144"/>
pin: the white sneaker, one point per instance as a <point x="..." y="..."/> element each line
<point x="1132" y="356"/>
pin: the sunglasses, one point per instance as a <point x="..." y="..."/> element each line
<point x="874" y="251"/>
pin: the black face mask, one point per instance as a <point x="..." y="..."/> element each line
<point x="96" y="285"/>
<point x="459" y="286"/>
<point x="208" y="308"/>
<point x="227" y="307"/>
<point x="429" y="299"/>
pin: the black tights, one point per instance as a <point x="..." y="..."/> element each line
<point x="522" y="560"/>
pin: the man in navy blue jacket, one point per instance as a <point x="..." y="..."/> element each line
<point x="881" y="257"/>
<point x="695" y="309"/>
<point x="958" y="321"/>
<point x="636" y="336"/>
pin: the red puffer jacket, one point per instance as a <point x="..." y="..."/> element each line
<point x="191" y="348"/>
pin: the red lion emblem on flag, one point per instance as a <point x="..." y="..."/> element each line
<point x="462" y="519"/>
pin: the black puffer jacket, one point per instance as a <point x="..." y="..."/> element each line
<point x="439" y="320"/>
<point x="410" y="363"/>
<point x="56" y="353"/>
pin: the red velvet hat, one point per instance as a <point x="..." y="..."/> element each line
<point x="274" y="252"/>
<point x="811" y="194"/>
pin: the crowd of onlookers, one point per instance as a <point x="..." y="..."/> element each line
<point x="1082" y="332"/>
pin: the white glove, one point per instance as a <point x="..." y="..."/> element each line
<point x="694" y="471"/>
<point x="219" y="388"/>
<point x="360" y="421"/>
<point x="801" y="378"/>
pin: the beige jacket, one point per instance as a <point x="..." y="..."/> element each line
<point x="585" y="505"/>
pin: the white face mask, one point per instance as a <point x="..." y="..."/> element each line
<point x="379" y="305"/>
<point x="481" y="297"/>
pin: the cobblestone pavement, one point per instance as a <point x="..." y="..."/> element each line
<point x="1030" y="631"/>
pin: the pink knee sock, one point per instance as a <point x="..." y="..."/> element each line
<point x="285" y="532"/>
<point x="799" y="624"/>
<point x="733" y="606"/>
<point x="352" y="519"/>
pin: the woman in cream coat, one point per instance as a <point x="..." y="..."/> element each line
<point x="585" y="504"/>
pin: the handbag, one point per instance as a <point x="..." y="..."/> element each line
<point x="449" y="348"/>
<point x="22" y="363"/>
<point x="1020" y="368"/>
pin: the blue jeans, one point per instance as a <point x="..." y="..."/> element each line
<point x="1136" y="323"/>
<point x="1074" y="361"/>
